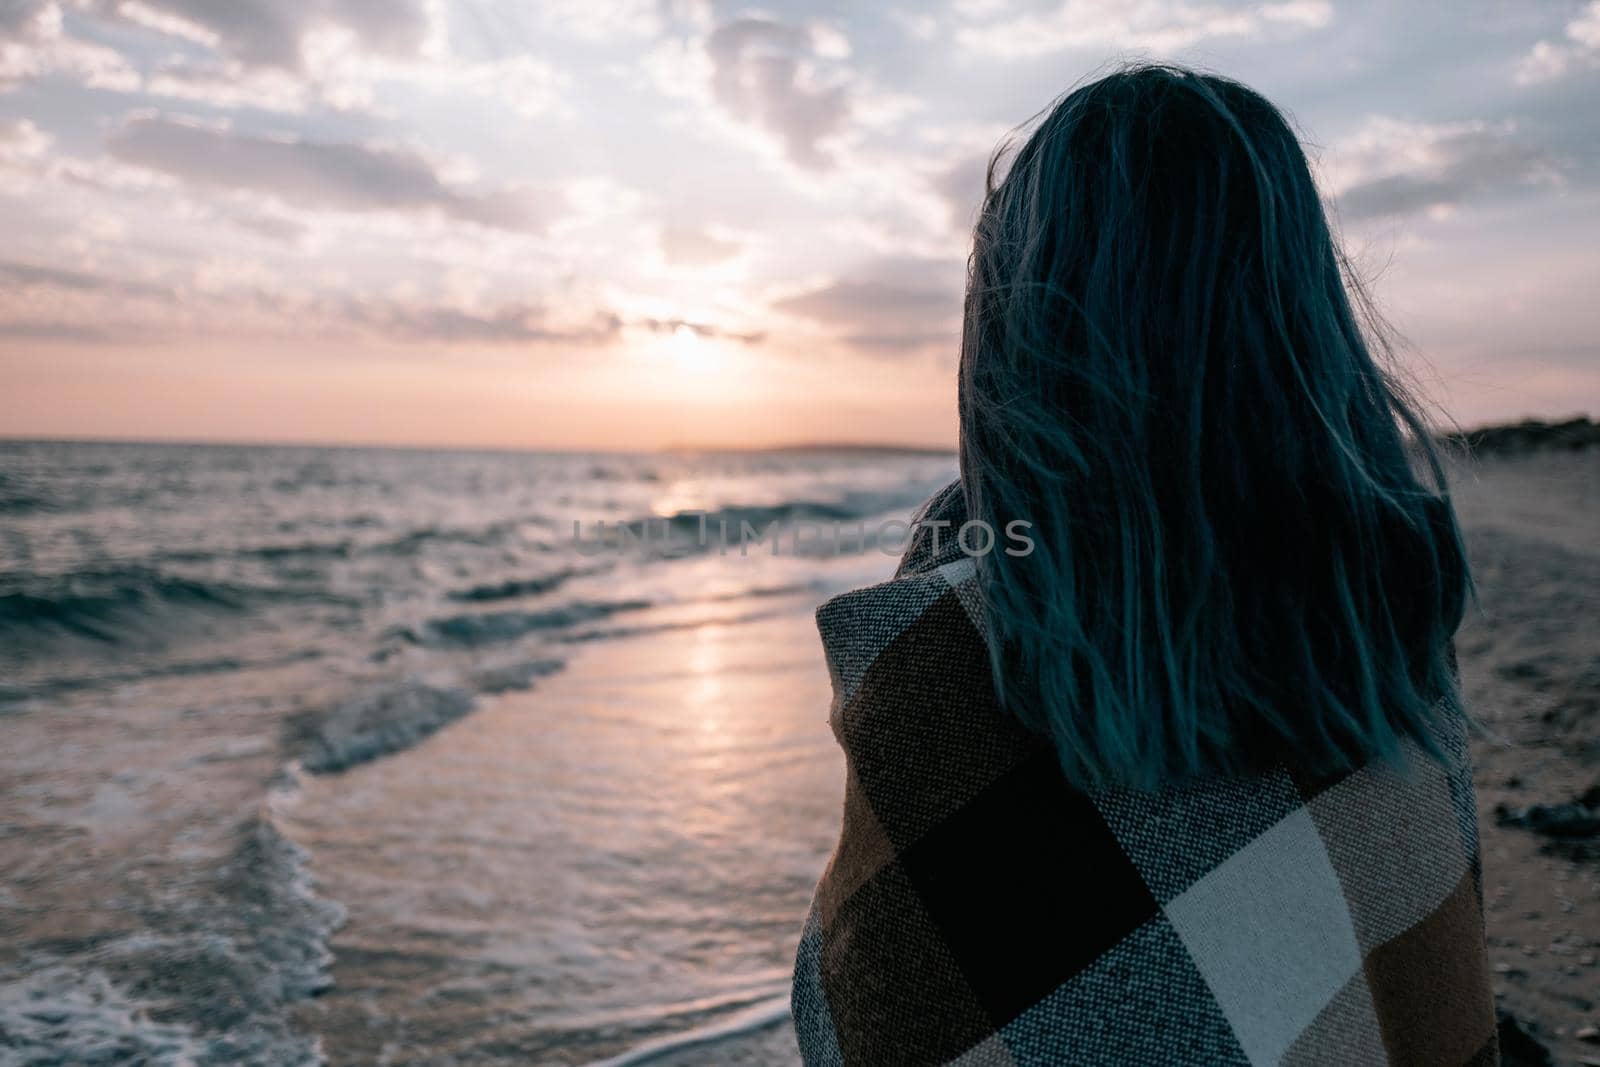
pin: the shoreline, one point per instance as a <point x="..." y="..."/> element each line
<point x="559" y="881"/>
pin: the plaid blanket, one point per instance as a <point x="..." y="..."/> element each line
<point x="978" y="910"/>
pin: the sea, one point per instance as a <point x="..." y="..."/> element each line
<point x="350" y="755"/>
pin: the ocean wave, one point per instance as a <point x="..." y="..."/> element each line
<point x="269" y="877"/>
<point x="111" y="605"/>
<point x="472" y="630"/>
<point x="378" y="723"/>
<point x="615" y="473"/>
<point x="488" y="536"/>
<point x="19" y="498"/>
<point x="512" y="588"/>
<point x="755" y="592"/>
<point x="271" y="552"/>
<point x="134" y="605"/>
<point x="61" y="1016"/>
<point x="80" y="680"/>
<point x="504" y="679"/>
<point x="748" y="1020"/>
<point x="212" y="988"/>
<point x="760" y="516"/>
<point x="691" y="532"/>
<point x="613" y="633"/>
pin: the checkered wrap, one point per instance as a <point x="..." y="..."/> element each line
<point x="978" y="910"/>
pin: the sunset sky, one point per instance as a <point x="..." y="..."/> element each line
<point x="615" y="224"/>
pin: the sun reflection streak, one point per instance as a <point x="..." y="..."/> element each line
<point x="707" y="695"/>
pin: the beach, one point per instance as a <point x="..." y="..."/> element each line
<point x="383" y="769"/>
<point x="1530" y="667"/>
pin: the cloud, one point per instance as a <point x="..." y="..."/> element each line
<point x="602" y="20"/>
<point x="507" y="323"/>
<point x="18" y="276"/>
<point x="702" y="329"/>
<point x="1392" y="167"/>
<point x="347" y="78"/>
<point x="512" y="323"/>
<point x="27" y="18"/>
<point x="29" y="276"/>
<point x="285" y="57"/>
<point x="34" y="45"/>
<point x="21" y="141"/>
<point x="27" y="27"/>
<point x="962" y="187"/>
<point x="691" y="247"/>
<point x="767" y="74"/>
<point x="79" y="297"/>
<point x="920" y="25"/>
<point x="1157" y="25"/>
<point x="273" y="33"/>
<point x="317" y="174"/>
<point x="229" y="84"/>
<point x="48" y="304"/>
<point x="896" y="344"/>
<point x="1580" y="50"/>
<point x="865" y="301"/>
<point x="273" y="227"/>
<point x="56" y="331"/>
<point x="883" y="317"/>
<point x="520" y="83"/>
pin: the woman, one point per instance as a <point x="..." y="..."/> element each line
<point x="1186" y="783"/>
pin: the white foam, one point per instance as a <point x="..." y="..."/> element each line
<point x="756" y="1017"/>
<point x="68" y="1015"/>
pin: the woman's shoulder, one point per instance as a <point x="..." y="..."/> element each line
<point x="932" y="541"/>
<point x="931" y="602"/>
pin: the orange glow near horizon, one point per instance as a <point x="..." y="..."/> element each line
<point x="668" y="392"/>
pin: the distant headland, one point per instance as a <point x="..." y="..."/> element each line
<point x="1529" y="435"/>
<point x="853" y="447"/>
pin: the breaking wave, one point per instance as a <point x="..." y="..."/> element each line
<point x="378" y="723"/>
<point x="214" y="985"/>
<point x="112" y="605"/>
<point x="472" y="630"/>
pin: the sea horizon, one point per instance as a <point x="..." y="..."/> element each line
<point x="884" y="447"/>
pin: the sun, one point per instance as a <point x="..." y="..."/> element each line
<point x="685" y="363"/>
<point x="688" y="349"/>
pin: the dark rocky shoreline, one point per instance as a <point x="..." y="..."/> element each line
<point x="1529" y="435"/>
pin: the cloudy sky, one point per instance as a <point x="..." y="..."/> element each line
<point x="628" y="223"/>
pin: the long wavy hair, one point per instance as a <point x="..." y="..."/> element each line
<point x="1244" y="551"/>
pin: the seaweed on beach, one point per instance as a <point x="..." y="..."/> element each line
<point x="1572" y="829"/>
<point x="1576" y="818"/>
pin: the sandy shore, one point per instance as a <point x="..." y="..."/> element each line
<point x="1530" y="662"/>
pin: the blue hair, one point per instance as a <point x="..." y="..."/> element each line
<point x="1245" y="551"/>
